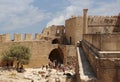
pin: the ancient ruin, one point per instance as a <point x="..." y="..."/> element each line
<point x="91" y="44"/>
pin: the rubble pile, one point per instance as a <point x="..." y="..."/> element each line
<point x="42" y="74"/>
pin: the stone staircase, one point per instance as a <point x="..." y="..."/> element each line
<point x="85" y="70"/>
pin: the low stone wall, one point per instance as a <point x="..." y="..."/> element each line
<point x="106" y="64"/>
<point x="104" y="42"/>
<point x="91" y="54"/>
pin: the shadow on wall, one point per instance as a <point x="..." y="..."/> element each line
<point x="56" y="54"/>
<point x="117" y="27"/>
<point x="55" y="41"/>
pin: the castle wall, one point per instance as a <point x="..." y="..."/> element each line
<point x="70" y="25"/>
<point x="69" y="52"/>
<point x="40" y="51"/>
<point x="18" y="37"/>
<point x="28" y="37"/>
<point x="79" y="29"/>
<point x="103" y="24"/>
<point x="104" y="63"/>
<point x="104" y="42"/>
<point x="37" y="36"/>
<point x="53" y="31"/>
<point x="74" y="29"/>
<point x="77" y="26"/>
<point x="4" y="37"/>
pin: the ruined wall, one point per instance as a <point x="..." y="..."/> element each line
<point x="103" y="24"/>
<point x="70" y="51"/>
<point x="71" y="58"/>
<point x="53" y="31"/>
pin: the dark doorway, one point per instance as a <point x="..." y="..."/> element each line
<point x="70" y="40"/>
<point x="57" y="55"/>
<point x="55" y="41"/>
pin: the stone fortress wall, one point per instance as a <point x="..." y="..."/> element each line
<point x="50" y="33"/>
<point x="19" y="37"/>
<point x="103" y="24"/>
<point x="77" y="26"/>
<point x="74" y="29"/>
<point x="101" y="45"/>
<point x="40" y="46"/>
<point x="100" y="42"/>
<point x="53" y="31"/>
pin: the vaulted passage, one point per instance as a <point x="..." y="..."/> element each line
<point x="57" y="55"/>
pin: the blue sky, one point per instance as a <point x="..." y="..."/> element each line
<point x="31" y="16"/>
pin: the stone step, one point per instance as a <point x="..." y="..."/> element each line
<point x="86" y="71"/>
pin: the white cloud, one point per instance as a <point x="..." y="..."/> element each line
<point x="107" y="8"/>
<point x="74" y="8"/>
<point x="16" y="14"/>
<point x="95" y="8"/>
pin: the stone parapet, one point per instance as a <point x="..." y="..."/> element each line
<point x="4" y="37"/>
<point x="104" y="42"/>
<point x="106" y="64"/>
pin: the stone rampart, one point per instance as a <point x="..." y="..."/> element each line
<point x="104" y="63"/>
<point x="40" y="51"/>
<point x="104" y="42"/>
<point x="103" y="24"/>
<point x="102" y="20"/>
<point x="19" y="37"/>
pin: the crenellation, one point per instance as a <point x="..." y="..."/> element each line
<point x="37" y="36"/>
<point x="7" y="37"/>
<point x="4" y="37"/>
<point x="28" y="37"/>
<point x="18" y="37"/>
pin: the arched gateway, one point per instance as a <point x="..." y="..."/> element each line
<point x="56" y="54"/>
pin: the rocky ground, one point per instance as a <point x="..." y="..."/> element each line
<point x="37" y="75"/>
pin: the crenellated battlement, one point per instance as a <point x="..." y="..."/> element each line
<point x="19" y="37"/>
<point x="4" y="37"/>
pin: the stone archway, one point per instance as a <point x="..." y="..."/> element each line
<point x="55" y="41"/>
<point x="56" y="54"/>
